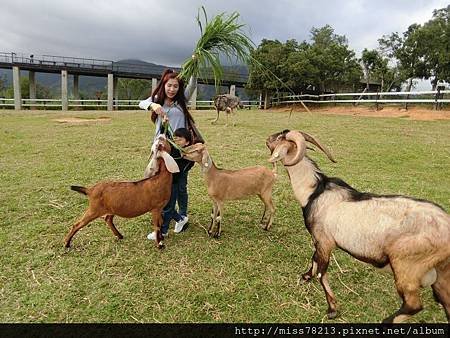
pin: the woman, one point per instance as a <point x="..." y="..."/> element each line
<point x="168" y="103"/>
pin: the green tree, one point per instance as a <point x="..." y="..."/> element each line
<point x="2" y="85"/>
<point x="371" y="61"/>
<point x="335" y="65"/>
<point x="133" y="89"/>
<point x="435" y="35"/>
<point x="327" y="63"/>
<point x="407" y="51"/>
<point x="265" y="72"/>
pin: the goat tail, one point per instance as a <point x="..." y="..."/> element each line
<point x="81" y="190"/>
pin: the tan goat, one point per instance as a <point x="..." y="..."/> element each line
<point x="225" y="185"/>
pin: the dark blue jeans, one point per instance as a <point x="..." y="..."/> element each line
<point x="179" y="193"/>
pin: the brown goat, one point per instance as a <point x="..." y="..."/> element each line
<point x="129" y="199"/>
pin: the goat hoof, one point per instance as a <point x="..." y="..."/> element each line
<point x="306" y="277"/>
<point x="161" y="245"/>
<point x="388" y="320"/>
<point x="332" y="314"/>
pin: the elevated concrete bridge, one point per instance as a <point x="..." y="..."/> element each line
<point x="92" y="67"/>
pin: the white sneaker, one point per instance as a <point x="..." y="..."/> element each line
<point x="179" y="226"/>
<point x="152" y="236"/>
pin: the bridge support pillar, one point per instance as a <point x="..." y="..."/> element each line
<point x="116" y="92"/>
<point x="110" y="92"/>
<point x="194" y="99"/>
<point x="16" y="86"/>
<point x="32" y="80"/>
<point x="233" y="90"/>
<point x="266" y="99"/>
<point x="154" y="84"/>
<point x="76" y="91"/>
<point x="64" y="97"/>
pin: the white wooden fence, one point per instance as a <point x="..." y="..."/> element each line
<point x="437" y="98"/>
<point x="434" y="97"/>
<point x="103" y="104"/>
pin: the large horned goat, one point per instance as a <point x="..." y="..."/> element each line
<point x="409" y="236"/>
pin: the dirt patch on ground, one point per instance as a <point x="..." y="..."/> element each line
<point x="414" y="113"/>
<point x="80" y="120"/>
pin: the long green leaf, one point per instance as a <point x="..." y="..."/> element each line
<point x="223" y="36"/>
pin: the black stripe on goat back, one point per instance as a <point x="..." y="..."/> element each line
<point x="329" y="183"/>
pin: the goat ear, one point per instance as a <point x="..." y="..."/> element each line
<point x="279" y="152"/>
<point x="170" y="163"/>
<point x="152" y="168"/>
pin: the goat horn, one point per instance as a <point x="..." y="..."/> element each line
<point x="299" y="141"/>
<point x="312" y="140"/>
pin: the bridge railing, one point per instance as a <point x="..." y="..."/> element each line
<point x="55" y="60"/>
<point x="104" y="65"/>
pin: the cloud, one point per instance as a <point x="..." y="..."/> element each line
<point x="166" y="32"/>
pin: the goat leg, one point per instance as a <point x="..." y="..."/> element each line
<point x="109" y="221"/>
<point x="407" y="275"/>
<point x="86" y="219"/>
<point x="216" y="231"/>
<point x="308" y="276"/>
<point x="323" y="260"/>
<point x="266" y="197"/>
<point x="157" y="222"/>
<point x="262" y="223"/>
<point x="213" y="219"/>
<point x="441" y="288"/>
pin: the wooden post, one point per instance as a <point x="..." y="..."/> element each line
<point x="376" y="100"/>
<point x="436" y="98"/>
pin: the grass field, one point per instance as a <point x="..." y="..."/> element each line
<point x="248" y="275"/>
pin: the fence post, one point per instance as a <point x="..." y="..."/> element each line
<point x="436" y="97"/>
<point x="376" y="100"/>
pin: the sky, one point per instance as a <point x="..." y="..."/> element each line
<point x="165" y="31"/>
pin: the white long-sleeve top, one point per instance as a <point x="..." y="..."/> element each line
<point x="174" y="111"/>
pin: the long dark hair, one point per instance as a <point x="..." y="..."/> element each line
<point x="159" y="94"/>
